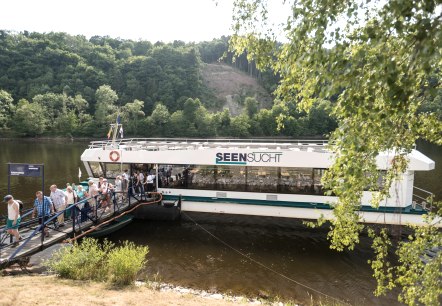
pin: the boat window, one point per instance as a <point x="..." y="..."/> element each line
<point x="96" y="168"/>
<point x="114" y="169"/>
<point x="187" y="176"/>
<point x="262" y="179"/>
<point x="232" y="178"/>
<point x="242" y="178"/>
<point x="202" y="177"/>
<point x="145" y="168"/>
<point x="301" y="181"/>
<point x="380" y="181"/>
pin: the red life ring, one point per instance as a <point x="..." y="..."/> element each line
<point x="114" y="156"/>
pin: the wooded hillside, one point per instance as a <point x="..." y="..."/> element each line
<point x="58" y="84"/>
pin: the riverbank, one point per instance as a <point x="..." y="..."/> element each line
<point x="35" y="285"/>
<point x="51" y="290"/>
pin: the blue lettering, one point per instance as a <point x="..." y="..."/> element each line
<point x="219" y="157"/>
<point x="226" y="156"/>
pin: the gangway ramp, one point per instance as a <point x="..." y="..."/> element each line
<point x="35" y="241"/>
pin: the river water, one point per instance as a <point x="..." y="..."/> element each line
<point x="286" y="256"/>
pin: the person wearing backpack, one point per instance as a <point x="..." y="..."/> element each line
<point x="14" y="218"/>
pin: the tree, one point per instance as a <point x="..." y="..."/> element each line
<point x="30" y="119"/>
<point x="376" y="67"/>
<point x="239" y="126"/>
<point x="179" y="126"/>
<point x="320" y="121"/>
<point x="251" y="106"/>
<point x="160" y="119"/>
<point x="78" y="104"/>
<point x="222" y="122"/>
<point x="105" y="107"/>
<point x="66" y="124"/>
<point x="204" y="123"/>
<point x="132" y="114"/>
<point x="55" y="104"/>
<point x="266" y="122"/>
<point x="6" y="108"/>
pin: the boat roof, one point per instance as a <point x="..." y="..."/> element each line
<point x="163" y="144"/>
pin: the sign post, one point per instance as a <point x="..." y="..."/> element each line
<point x="31" y="170"/>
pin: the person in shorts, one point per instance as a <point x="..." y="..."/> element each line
<point x="13" y="222"/>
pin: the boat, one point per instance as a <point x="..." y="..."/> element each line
<point x="252" y="177"/>
<point x="112" y="227"/>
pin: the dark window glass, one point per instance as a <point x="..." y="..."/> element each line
<point x="231" y="178"/>
<point x="262" y="179"/>
<point x="114" y="169"/>
<point x="241" y="178"/>
<point x="380" y="181"/>
<point x="97" y="169"/>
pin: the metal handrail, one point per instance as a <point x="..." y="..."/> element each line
<point x="424" y="202"/>
<point x="26" y="213"/>
<point x="73" y="208"/>
<point x="160" y="143"/>
<point x="423" y="190"/>
<point x="45" y="223"/>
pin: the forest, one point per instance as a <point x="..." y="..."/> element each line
<point x="55" y="84"/>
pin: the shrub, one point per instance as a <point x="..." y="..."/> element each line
<point x="81" y="261"/>
<point x="125" y="262"/>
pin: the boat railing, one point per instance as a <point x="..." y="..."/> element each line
<point x="26" y="224"/>
<point x="159" y="144"/>
<point x="422" y="198"/>
<point x="51" y="219"/>
<point x="79" y="216"/>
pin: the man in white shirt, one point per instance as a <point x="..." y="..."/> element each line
<point x="119" y="188"/>
<point x="59" y="198"/>
<point x="150" y="181"/>
<point x="125" y="183"/>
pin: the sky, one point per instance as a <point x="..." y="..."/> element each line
<point x="152" y="20"/>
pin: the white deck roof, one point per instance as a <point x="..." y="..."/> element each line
<point x="161" y="144"/>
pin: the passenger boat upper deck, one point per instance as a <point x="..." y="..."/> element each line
<point x="248" y="151"/>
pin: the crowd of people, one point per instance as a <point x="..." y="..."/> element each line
<point x="139" y="183"/>
<point x="59" y="200"/>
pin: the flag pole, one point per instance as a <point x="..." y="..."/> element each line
<point x="115" y="128"/>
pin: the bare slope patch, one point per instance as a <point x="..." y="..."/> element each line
<point x="232" y="86"/>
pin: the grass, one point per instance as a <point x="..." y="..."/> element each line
<point x="90" y="260"/>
